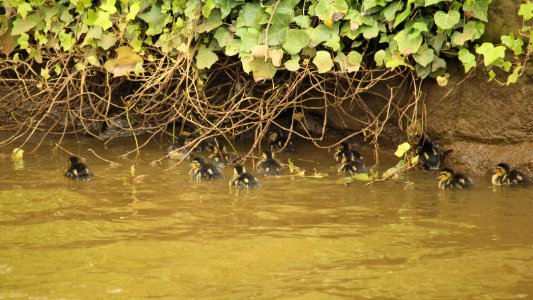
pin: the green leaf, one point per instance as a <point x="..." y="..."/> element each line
<point x="513" y="78"/>
<point x="390" y="11"/>
<point x="107" y="40"/>
<point x="23" y="25"/>
<point x="134" y="10"/>
<point x="468" y="59"/>
<point x="296" y="40"/>
<point x="319" y="34"/>
<point x="250" y="15"/>
<point x="207" y="8"/>
<point x="431" y="2"/>
<point x="109" y="6"/>
<point x="23" y="9"/>
<point x="205" y="58"/>
<point x="23" y="41"/>
<point x="214" y="21"/>
<point x="402" y="149"/>
<point x="223" y="36"/>
<point x="355" y="58"/>
<point x="478" y="8"/>
<point x="402" y="16"/>
<point x="293" y="64"/>
<point x="447" y="20"/>
<point x="330" y="11"/>
<point x="155" y="20"/>
<point x="45" y="73"/>
<point x="379" y="57"/>
<point x="302" y="21"/>
<point x="526" y="10"/>
<point x="490" y="53"/>
<point x="514" y="44"/>
<point x="368" y="4"/>
<point x="66" y="40"/>
<point x="323" y="61"/>
<point x="406" y="44"/>
<point x="249" y="38"/>
<point x="103" y="20"/>
<point x="262" y="70"/>
<point x="361" y="177"/>
<point x="424" y="57"/>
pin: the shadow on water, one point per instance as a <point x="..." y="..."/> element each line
<point x="167" y="236"/>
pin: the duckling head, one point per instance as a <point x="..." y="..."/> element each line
<point x="74" y="160"/>
<point x="343" y="146"/>
<point x="197" y="162"/>
<point x="502" y="169"/>
<point x="238" y="170"/>
<point x="273" y="135"/>
<point x="267" y="154"/>
<point x="445" y="174"/>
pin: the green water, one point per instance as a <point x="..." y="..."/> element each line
<point x="168" y="237"/>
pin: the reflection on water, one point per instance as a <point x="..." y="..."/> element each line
<point x="167" y="236"/>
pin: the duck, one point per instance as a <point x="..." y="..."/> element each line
<point x="78" y="170"/>
<point x="430" y="156"/>
<point x="220" y="158"/>
<point x="242" y="179"/>
<point x="202" y="170"/>
<point x="205" y="145"/>
<point x="278" y="142"/>
<point x="344" y="149"/>
<point x="178" y="150"/>
<point x="351" y="164"/>
<point x="449" y="180"/>
<point x="504" y="175"/>
<point x="268" y="165"/>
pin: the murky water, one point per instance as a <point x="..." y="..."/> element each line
<point x="167" y="237"/>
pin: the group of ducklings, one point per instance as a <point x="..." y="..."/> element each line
<point x="350" y="163"/>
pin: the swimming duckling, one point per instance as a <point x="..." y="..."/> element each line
<point x="242" y="179"/>
<point x="449" y="180"/>
<point x="269" y="166"/>
<point x="206" y="145"/>
<point x="277" y="141"/>
<point x="505" y="176"/>
<point x="202" y="170"/>
<point x="178" y="151"/>
<point x="220" y="157"/>
<point x="429" y="155"/>
<point x="77" y="170"/>
<point x="351" y="164"/>
<point x="344" y="149"/>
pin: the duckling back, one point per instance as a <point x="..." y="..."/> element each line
<point x="77" y="170"/>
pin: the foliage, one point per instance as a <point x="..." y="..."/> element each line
<point x="266" y="36"/>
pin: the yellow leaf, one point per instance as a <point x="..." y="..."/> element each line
<point x="17" y="154"/>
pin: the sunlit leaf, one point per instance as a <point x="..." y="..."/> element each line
<point x="447" y="20"/>
<point x="17" y="154"/>
<point x="513" y="77"/>
<point x="205" y="58"/>
<point x="402" y="149"/>
<point x="490" y="53"/>
<point x="296" y="40"/>
<point x="323" y="61"/>
<point x="125" y="61"/>
<point x="468" y="59"/>
<point x="478" y="8"/>
<point x="526" y="10"/>
<point x="262" y="70"/>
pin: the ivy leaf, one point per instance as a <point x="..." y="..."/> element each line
<point x="478" y="8"/>
<point x="468" y="59"/>
<point x="390" y="11"/>
<point x="155" y="20"/>
<point x="323" y="61"/>
<point x="402" y="16"/>
<point x="368" y="4"/>
<point x="402" y="149"/>
<point x="223" y="36"/>
<point x="262" y="70"/>
<point x="526" y="10"/>
<point x="296" y="40"/>
<point x="205" y="58"/>
<point x="447" y="20"/>
<point x="514" y="44"/>
<point x="490" y="53"/>
<point x="125" y="61"/>
<point x="513" y="78"/>
<point x="23" y="9"/>
<point x="406" y="44"/>
<point x="23" y="41"/>
<point x="331" y="11"/>
<point x="379" y="57"/>
<point x="66" y="40"/>
<point x="431" y="2"/>
<point x="424" y="57"/>
<point x="107" y="40"/>
<point x="109" y="6"/>
<point x="250" y="15"/>
<point x="45" y="73"/>
<point x="103" y="20"/>
<point x="214" y="21"/>
<point x="293" y="64"/>
<point x="134" y="10"/>
<point x="23" y="25"/>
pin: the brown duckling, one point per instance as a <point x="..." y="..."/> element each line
<point x="277" y="141"/>
<point x="504" y="175"/>
<point x="344" y="149"/>
<point x="351" y="164"/>
<point x="77" y="170"/>
<point x="449" y="180"/>
<point x="202" y="170"/>
<point x="220" y="157"/>
<point x="243" y="179"/>
<point x="268" y="165"/>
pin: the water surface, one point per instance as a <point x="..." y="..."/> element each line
<point x="168" y="237"/>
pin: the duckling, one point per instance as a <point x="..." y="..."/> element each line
<point x="277" y="141"/>
<point x="449" y="180"/>
<point x="505" y="176"/>
<point x="242" y="179"/>
<point x="77" y="170"/>
<point x="206" y="145"/>
<point x="344" y="149"/>
<point x="429" y="155"/>
<point x="220" y="157"/>
<point x="178" y="151"/>
<point x="269" y="166"/>
<point x="202" y="170"/>
<point x="351" y="164"/>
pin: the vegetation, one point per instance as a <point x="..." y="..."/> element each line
<point x="79" y="65"/>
